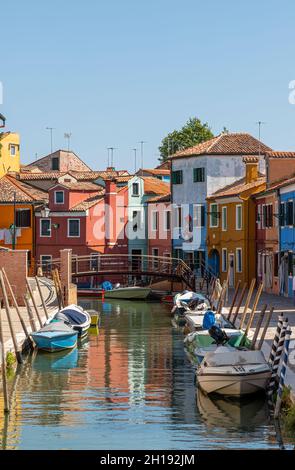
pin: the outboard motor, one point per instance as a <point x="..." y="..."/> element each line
<point x="219" y="336"/>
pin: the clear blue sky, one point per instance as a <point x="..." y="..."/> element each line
<point x="114" y="72"/>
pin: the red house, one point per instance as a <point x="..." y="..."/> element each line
<point x="83" y="216"/>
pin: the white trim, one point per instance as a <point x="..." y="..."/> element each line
<point x="237" y="264"/>
<point x="287" y="189"/>
<point x="239" y="206"/>
<point x="166" y="212"/>
<point x="41" y="220"/>
<point x="63" y="196"/>
<point x="197" y="212"/>
<point x="224" y="219"/>
<point x="155" y="219"/>
<point x="210" y="215"/>
<point x="68" y="228"/>
<point x="224" y="268"/>
<point x="65" y="214"/>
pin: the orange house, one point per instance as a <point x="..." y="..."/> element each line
<point x="231" y="227"/>
<point x="18" y="202"/>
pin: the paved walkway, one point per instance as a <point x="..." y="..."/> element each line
<point x="281" y="305"/>
<point x="51" y="302"/>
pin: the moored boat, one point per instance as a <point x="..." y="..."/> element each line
<point x="128" y="293"/>
<point x="76" y="316"/>
<point x="55" y="336"/>
<point x="233" y="373"/>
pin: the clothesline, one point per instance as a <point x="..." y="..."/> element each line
<point x="6" y="235"/>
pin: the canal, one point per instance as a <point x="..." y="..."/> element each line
<point x="128" y="386"/>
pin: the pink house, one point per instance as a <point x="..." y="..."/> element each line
<point x="159" y="226"/>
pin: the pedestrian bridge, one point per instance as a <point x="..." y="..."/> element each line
<point x="135" y="266"/>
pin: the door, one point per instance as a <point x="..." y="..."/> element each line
<point x="231" y="264"/>
<point x="136" y="260"/>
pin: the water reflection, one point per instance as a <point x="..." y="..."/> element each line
<point x="130" y="386"/>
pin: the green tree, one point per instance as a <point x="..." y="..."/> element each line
<point x="192" y="133"/>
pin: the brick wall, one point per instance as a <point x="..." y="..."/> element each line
<point x="15" y="265"/>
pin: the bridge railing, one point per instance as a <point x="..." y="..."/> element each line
<point x="109" y="264"/>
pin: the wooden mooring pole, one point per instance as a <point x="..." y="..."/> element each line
<point x="14" y="301"/>
<point x="3" y="367"/>
<point x="42" y="297"/>
<point x="234" y="300"/>
<point x="18" y="353"/>
<point x="30" y="314"/>
<point x="265" y="328"/>
<point x="34" y="302"/>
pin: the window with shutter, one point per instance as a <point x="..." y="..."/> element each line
<point x="289" y="213"/>
<point x="177" y="177"/>
<point x="282" y="214"/>
<point x="199" y="175"/>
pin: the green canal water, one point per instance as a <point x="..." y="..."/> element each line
<point x="128" y="386"/>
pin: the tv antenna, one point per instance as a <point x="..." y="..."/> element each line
<point x="67" y="136"/>
<point x="51" y="129"/>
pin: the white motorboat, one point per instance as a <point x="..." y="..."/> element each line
<point x="233" y="373"/>
<point x="128" y="293"/>
<point x="76" y="316"/>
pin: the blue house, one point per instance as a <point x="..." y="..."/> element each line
<point x="287" y="237"/>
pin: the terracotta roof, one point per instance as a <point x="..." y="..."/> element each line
<point x="226" y="144"/>
<point x="250" y="159"/>
<point x="88" y="203"/>
<point x="281" y="154"/>
<point x="79" y="186"/>
<point x="235" y="189"/>
<point x="279" y="184"/>
<point x="56" y="152"/>
<point x="165" y="198"/>
<point x="155" y="171"/>
<point x="32" y="176"/>
<point x="164" y="165"/>
<point x="155" y="186"/>
<point x="23" y="191"/>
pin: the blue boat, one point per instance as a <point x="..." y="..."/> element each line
<point x="55" y="337"/>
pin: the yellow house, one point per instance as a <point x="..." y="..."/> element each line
<point x="231" y="226"/>
<point x="9" y="152"/>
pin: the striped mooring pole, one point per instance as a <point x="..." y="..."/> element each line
<point x="276" y="339"/>
<point x="283" y="372"/>
<point x="276" y="362"/>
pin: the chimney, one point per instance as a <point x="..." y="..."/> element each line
<point x="252" y="164"/>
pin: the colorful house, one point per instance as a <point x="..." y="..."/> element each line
<point x="231" y="226"/>
<point x="18" y="204"/>
<point x="162" y="174"/>
<point x="140" y="190"/>
<point x="85" y="217"/>
<point x="9" y="152"/>
<point x="159" y="226"/>
<point x="198" y="172"/>
<point x="279" y="166"/>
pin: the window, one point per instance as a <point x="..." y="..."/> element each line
<point x="155" y="253"/>
<point x="23" y="218"/>
<point x="135" y="189"/>
<point x="177" y="177"/>
<point x="282" y="214"/>
<point x="259" y="216"/>
<point x="55" y="164"/>
<point x="239" y="260"/>
<point x="59" y="197"/>
<point x="167" y="220"/>
<point x="224" y="260"/>
<point x="155" y="220"/>
<point x="135" y="220"/>
<point x="46" y="261"/>
<point x="199" y="215"/>
<point x="263" y="222"/>
<point x="289" y="213"/>
<point x="179" y="217"/>
<point x="45" y="227"/>
<point x="12" y="150"/>
<point x="224" y="219"/>
<point x="199" y="175"/>
<point x="276" y="264"/>
<point x="239" y="217"/>
<point x="213" y="215"/>
<point x="73" y="227"/>
<point x="178" y="253"/>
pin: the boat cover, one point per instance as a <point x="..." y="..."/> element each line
<point x="72" y="315"/>
<point x="234" y="358"/>
<point x="56" y="326"/>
